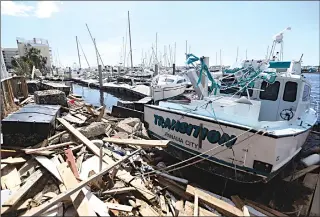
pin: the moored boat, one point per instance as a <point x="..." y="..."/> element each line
<point x="247" y="136"/>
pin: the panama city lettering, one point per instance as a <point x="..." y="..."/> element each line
<point x="213" y="136"/>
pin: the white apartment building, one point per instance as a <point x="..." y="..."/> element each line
<point x="41" y="44"/>
<point x="4" y="73"/>
<point x="8" y="54"/>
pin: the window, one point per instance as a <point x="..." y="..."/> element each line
<point x="270" y="91"/>
<point x="180" y="81"/>
<point x="290" y="91"/>
<point x="306" y="93"/>
<point x="235" y="90"/>
<point x="169" y="80"/>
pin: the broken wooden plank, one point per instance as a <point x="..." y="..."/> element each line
<point x="15" y="160"/>
<point x="146" y="210"/>
<point x="73" y="119"/>
<point x="315" y="208"/>
<point x="122" y="174"/>
<point x="31" y="151"/>
<point x="56" y="135"/>
<point x="119" y="207"/>
<point x="245" y="211"/>
<point x="310" y="181"/>
<point x="237" y="201"/>
<point x="71" y="162"/>
<point x="28" y="168"/>
<point x="10" y="178"/>
<point x="80" y="202"/>
<point x="142" y="143"/>
<point x="220" y="205"/>
<point x="268" y="209"/>
<point x="14" y="199"/>
<point x="80" y="136"/>
<point x="98" y="206"/>
<point x="265" y="212"/>
<point x="162" y="203"/>
<point x="119" y="190"/>
<point x="101" y="113"/>
<point x="196" y="208"/>
<point x="77" y="187"/>
<point x="189" y="207"/>
<point x="300" y="173"/>
<point x="50" y="166"/>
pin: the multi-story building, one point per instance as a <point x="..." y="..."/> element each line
<point x="41" y="44"/>
<point x="8" y="54"/>
<point x="4" y="72"/>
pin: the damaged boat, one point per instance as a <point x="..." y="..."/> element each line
<point x="248" y="136"/>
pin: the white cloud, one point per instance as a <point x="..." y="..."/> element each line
<point x="15" y="9"/>
<point x="43" y="9"/>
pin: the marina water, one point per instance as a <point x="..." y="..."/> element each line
<point x="98" y="98"/>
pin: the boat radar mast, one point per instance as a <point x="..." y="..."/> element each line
<point x="278" y="39"/>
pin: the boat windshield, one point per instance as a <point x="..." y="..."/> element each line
<point x="169" y="80"/>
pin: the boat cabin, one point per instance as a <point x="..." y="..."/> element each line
<point x="287" y="96"/>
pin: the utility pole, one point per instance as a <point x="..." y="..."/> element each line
<point x="130" y="39"/>
<point x="78" y="52"/>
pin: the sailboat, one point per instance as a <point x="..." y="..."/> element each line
<point x="248" y="136"/>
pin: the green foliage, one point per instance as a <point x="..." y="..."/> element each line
<point x="23" y="65"/>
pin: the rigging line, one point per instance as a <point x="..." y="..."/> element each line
<point x="203" y="153"/>
<point x="201" y="159"/>
<point x="83" y="53"/>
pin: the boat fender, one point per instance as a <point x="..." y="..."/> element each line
<point x="311" y="160"/>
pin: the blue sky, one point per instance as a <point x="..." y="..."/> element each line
<point x="208" y="26"/>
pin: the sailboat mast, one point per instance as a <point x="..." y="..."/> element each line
<point x="130" y="39"/>
<point x="175" y="47"/>
<point x="94" y="41"/>
<point x="95" y="45"/>
<point x="246" y="55"/>
<point x="84" y="54"/>
<point x="157" y="48"/>
<point x="78" y="52"/>
<point x="237" y="54"/>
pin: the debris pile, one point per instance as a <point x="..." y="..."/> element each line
<point x="98" y="165"/>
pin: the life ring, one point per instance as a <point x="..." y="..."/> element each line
<point x="287" y="114"/>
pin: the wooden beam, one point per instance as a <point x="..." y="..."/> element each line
<point x="119" y="207"/>
<point x="237" y="201"/>
<point x="220" y="205"/>
<point x="119" y="190"/>
<point x="300" y="173"/>
<point x="196" y="208"/>
<point x="31" y="151"/>
<point x="310" y="181"/>
<point x="142" y="143"/>
<point x="315" y="208"/>
<point x="80" y="136"/>
<point x="268" y="209"/>
<point x="56" y="135"/>
<point x="80" y="202"/>
<point x="40" y="209"/>
<point x="14" y="199"/>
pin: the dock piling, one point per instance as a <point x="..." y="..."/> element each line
<point x="100" y="76"/>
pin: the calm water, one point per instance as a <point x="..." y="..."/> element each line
<point x="314" y="79"/>
<point x="97" y="98"/>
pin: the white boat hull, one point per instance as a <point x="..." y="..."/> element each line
<point x="167" y="91"/>
<point x="251" y="157"/>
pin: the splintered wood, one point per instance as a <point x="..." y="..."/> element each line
<point x="79" y="172"/>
